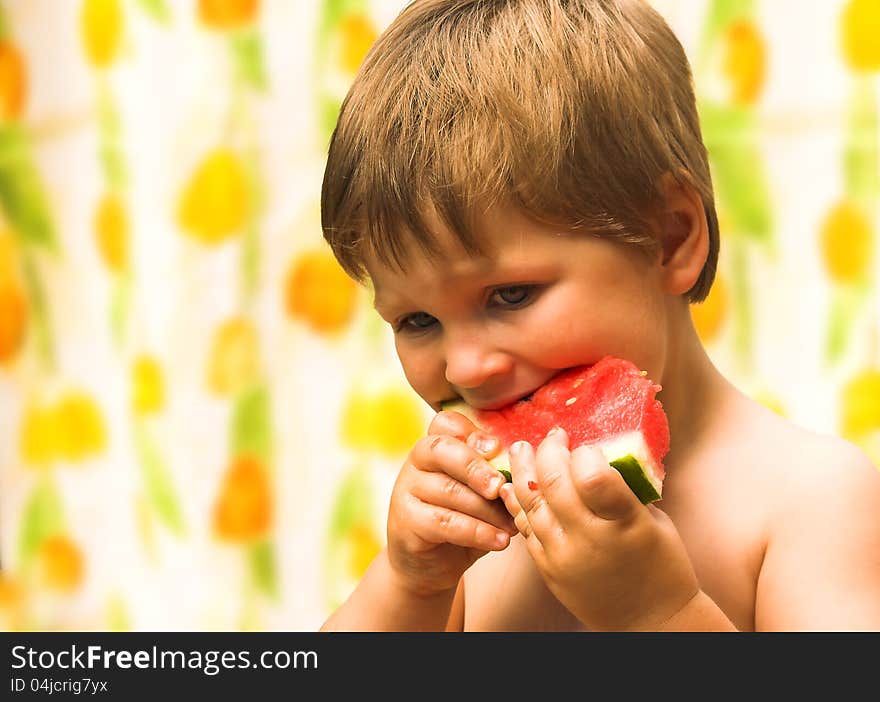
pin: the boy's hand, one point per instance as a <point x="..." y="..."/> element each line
<point x="444" y="513"/>
<point x="615" y="563"/>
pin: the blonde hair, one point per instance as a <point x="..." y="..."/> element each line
<point x="571" y="110"/>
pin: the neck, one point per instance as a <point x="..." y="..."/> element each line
<point x="694" y="390"/>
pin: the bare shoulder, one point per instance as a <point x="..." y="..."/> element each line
<point x="819" y="468"/>
<point x="820" y="569"/>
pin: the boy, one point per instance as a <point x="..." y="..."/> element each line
<point x="524" y="185"/>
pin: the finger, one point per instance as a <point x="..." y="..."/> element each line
<point x="444" y="491"/>
<point x="485" y="444"/>
<point x="443" y="453"/>
<point x="520" y="521"/>
<point x="553" y="460"/>
<point x="535" y="510"/>
<point x="508" y="498"/>
<point x="451" y="423"/>
<point x="524" y="526"/>
<point x="441" y="525"/>
<point x="600" y="487"/>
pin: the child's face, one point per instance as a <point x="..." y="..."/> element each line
<point x="493" y="329"/>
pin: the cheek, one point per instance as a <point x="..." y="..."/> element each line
<point x="423" y="370"/>
<point x="628" y="324"/>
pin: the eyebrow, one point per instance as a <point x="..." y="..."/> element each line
<point x="491" y="268"/>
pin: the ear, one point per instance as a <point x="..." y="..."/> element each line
<point x="684" y="234"/>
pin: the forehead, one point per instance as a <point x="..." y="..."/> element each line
<point x="508" y="240"/>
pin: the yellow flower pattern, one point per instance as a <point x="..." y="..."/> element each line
<point x="70" y="429"/>
<point x="357" y="35"/>
<point x="216" y="201"/>
<point x="745" y="62"/>
<point x="101" y="27"/>
<point x="234" y="363"/>
<point x="111" y="232"/>
<point x="859" y="29"/>
<point x="389" y="421"/>
<point x="194" y="390"/>
<point x="148" y="386"/>
<point x="860" y="405"/>
<point x="847" y="242"/>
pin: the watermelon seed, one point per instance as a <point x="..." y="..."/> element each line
<point x="570" y="401"/>
<point x="533" y="485"/>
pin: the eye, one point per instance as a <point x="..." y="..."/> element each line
<point x="418" y="321"/>
<point x="513" y="295"/>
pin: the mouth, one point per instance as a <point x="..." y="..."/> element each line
<point x="504" y="401"/>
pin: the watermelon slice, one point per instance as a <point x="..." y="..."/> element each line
<point x="610" y="404"/>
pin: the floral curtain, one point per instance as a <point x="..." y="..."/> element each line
<point x="201" y="418"/>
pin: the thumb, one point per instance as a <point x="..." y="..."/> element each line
<point x="601" y="488"/>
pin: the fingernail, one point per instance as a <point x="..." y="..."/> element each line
<point x="483" y="442"/>
<point x="495" y="483"/>
<point x="518" y="447"/>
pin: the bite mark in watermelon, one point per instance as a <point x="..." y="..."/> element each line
<point x="610" y="404"/>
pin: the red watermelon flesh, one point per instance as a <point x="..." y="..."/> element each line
<point x="610" y="404"/>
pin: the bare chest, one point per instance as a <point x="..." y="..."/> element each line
<point x="722" y="534"/>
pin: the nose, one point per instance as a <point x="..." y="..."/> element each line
<point x="472" y="359"/>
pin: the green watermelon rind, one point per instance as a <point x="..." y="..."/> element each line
<point x="636" y="477"/>
<point x="629" y="454"/>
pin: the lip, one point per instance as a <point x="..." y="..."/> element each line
<point x="498" y="404"/>
<point x="491" y="404"/>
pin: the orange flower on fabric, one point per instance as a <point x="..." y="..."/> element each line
<point x="847" y="243"/>
<point x="60" y="564"/>
<point x="14" y="310"/>
<point x="12" y="603"/>
<point x="243" y="511"/>
<point x="710" y="314"/>
<point x="13" y="318"/>
<point x="13" y="81"/>
<point x="859" y="29"/>
<point x="216" y="201"/>
<point x="228" y="14"/>
<point x="234" y="363"/>
<point x="357" y="34"/>
<point x="319" y="293"/>
<point x="745" y="61"/>
<point x="148" y="386"/>
<point x="101" y="23"/>
<point x="112" y="231"/>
